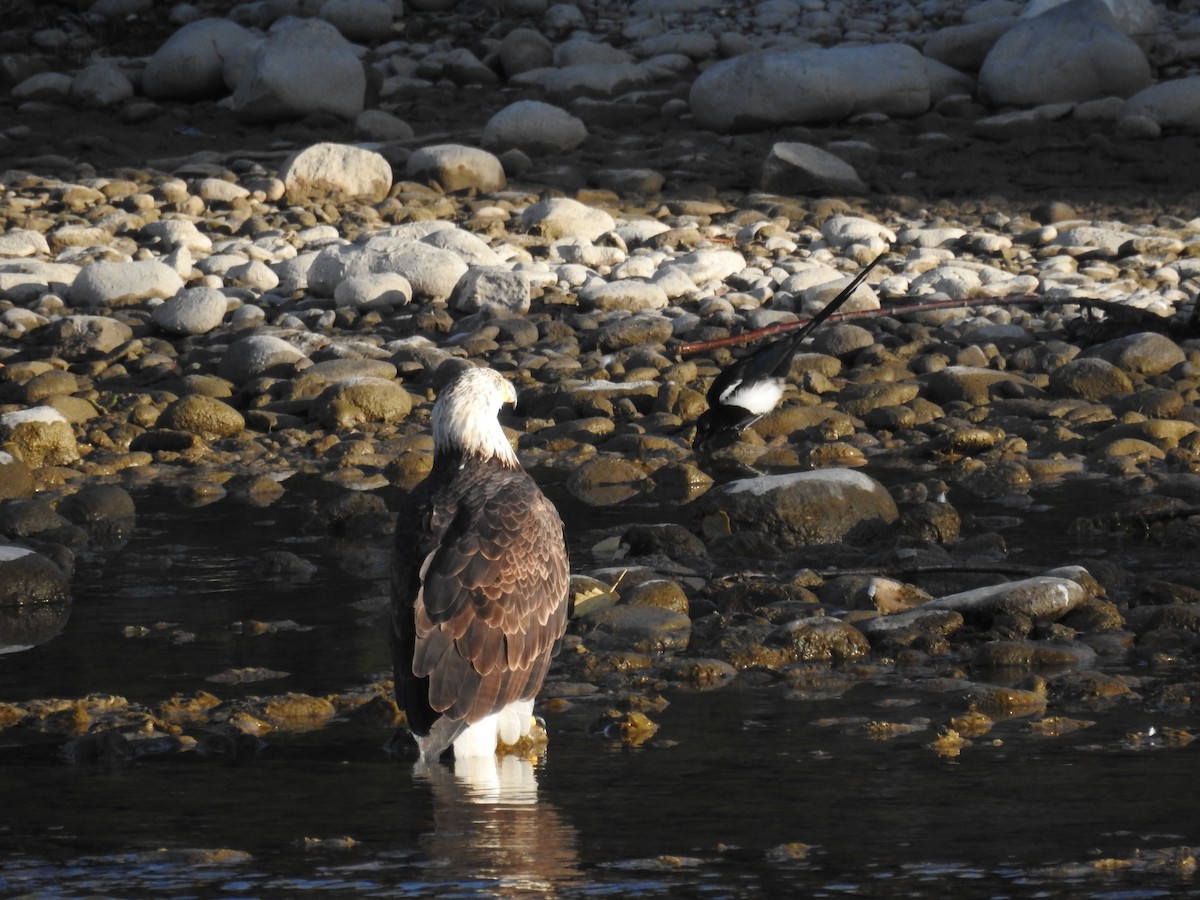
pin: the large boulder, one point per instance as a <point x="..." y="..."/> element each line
<point x="329" y="170"/>
<point x="826" y="506"/>
<point x="191" y="64"/>
<point x="1069" y="54"/>
<point x="767" y="88"/>
<point x="304" y="67"/>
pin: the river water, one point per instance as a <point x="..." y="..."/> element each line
<point x="747" y="791"/>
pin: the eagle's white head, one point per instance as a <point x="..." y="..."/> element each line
<point x="464" y="417"/>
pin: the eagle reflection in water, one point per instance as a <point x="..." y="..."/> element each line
<point x="491" y="829"/>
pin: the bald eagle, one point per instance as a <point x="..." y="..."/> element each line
<point x="479" y="581"/>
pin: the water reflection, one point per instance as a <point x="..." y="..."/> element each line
<point x="27" y="625"/>
<point x="491" y="826"/>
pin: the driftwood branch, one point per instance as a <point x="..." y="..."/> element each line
<point x="904" y="310"/>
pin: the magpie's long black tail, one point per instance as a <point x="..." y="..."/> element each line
<point x="774" y="359"/>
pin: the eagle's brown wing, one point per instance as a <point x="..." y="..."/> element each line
<point x="491" y="602"/>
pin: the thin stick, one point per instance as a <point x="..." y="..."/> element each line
<point x="747" y="337"/>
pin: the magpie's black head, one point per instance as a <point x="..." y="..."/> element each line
<point x="719" y="426"/>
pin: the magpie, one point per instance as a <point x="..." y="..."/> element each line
<point x="752" y="386"/>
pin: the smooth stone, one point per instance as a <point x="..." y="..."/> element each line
<point x="535" y="128"/>
<point x="190" y="65"/>
<point x="196" y="310"/>
<point x="806" y="508"/>
<point x="303" y="67"/>
<point x="457" y="167"/>
<point x="336" y="171"/>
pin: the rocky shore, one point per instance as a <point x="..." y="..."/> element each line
<point x="218" y="282"/>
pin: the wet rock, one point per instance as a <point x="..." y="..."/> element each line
<point x="354" y="401"/>
<point x="27" y="577"/>
<point x="303" y="67"/>
<point x="820" y="639"/>
<point x="699" y="673"/>
<point x="874" y="592"/>
<point x="1033" y="655"/>
<point x="642" y="629"/>
<point x="39" y="436"/>
<point x="27" y="616"/>
<point x="606" y="480"/>
<point x="1146" y="353"/>
<point x="338" y="172"/>
<point x="659" y="593"/>
<point x="997" y="700"/>
<point x="921" y="626"/>
<point x="205" y="417"/>
<point x="672" y="541"/>
<point x="106" y="509"/>
<point x="16" y="478"/>
<point x="976" y="385"/>
<point x="805" y="508"/>
<point x="256" y="355"/>
<point x="1039" y="598"/>
<point x="1090" y="378"/>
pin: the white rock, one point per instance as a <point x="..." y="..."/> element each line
<point x="305" y="66"/>
<point x="557" y="217"/>
<point x="535" y="128"/>
<point x="195" y="310"/>
<point x="819" y="296"/>
<point x="221" y="191"/>
<point x="254" y="274"/>
<point x="190" y="65"/>
<point x="23" y="242"/>
<point x="469" y="248"/>
<point x="796" y="168"/>
<point x="337" y="170"/>
<point x="491" y="287"/>
<point x="705" y="267"/>
<point x="124" y="283"/>
<point x="951" y="280"/>
<point x="457" y="167"/>
<point x="635" y="296"/>
<point x="1073" y="52"/>
<point x="840" y="231"/>
<point x="375" y="290"/>
<point x="432" y="271"/>
<point x="811" y="85"/>
<point x="174" y="233"/>
<point x="100" y="86"/>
